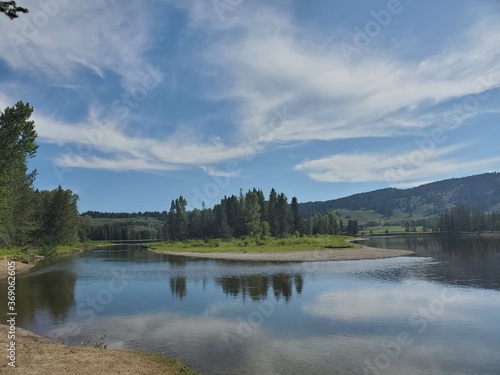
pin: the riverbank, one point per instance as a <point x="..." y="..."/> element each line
<point x="26" y="259"/>
<point x="363" y="252"/>
<point x="36" y="354"/>
<point x="20" y="267"/>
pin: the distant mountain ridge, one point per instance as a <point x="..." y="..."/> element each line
<point x="423" y="201"/>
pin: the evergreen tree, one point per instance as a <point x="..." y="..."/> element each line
<point x="222" y="229"/>
<point x="17" y="145"/>
<point x="296" y="216"/>
<point x="282" y="216"/>
<point x="272" y="214"/>
<point x="252" y="213"/>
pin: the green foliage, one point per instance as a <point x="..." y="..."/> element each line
<point x="17" y="145"/>
<point x="251" y="244"/>
<point x="47" y="250"/>
<point x="28" y="217"/>
<point x="464" y="218"/>
<point x="11" y="10"/>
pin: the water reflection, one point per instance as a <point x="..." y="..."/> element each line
<point x="178" y="287"/>
<point x="53" y="291"/>
<point x="346" y="313"/>
<point x="463" y="260"/>
<point x="257" y="286"/>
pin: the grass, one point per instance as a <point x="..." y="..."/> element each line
<point x="171" y="365"/>
<point x="21" y="253"/>
<point x="256" y="244"/>
<point x="392" y="229"/>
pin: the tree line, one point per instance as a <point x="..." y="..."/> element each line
<point x="29" y="216"/>
<point x="464" y="218"/>
<point x="249" y="214"/>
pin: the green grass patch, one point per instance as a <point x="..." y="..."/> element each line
<point x="256" y="244"/>
<point x="15" y="253"/>
<point x="26" y="252"/>
<point x="171" y="365"/>
<point x="392" y="229"/>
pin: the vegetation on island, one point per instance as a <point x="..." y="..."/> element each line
<point x="256" y="244"/>
<point x="248" y="222"/>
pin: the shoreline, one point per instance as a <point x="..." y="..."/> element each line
<point x="20" y="267"/>
<point x="362" y="253"/>
<point x="35" y="354"/>
<point x="24" y="267"/>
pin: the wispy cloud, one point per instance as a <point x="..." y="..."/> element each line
<point x="212" y="171"/>
<point x="394" y="168"/>
<point x="61" y="39"/>
<point x="334" y="99"/>
<point x="264" y="61"/>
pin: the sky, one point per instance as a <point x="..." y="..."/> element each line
<point x="138" y="102"/>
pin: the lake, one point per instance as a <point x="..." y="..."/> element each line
<point x="433" y="313"/>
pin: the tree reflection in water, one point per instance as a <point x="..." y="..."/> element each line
<point x="257" y="286"/>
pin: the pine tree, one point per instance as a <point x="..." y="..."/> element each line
<point x="296" y="216"/>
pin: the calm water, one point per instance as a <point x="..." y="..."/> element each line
<point x="435" y="313"/>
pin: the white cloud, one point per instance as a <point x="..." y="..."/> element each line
<point x="282" y="66"/>
<point x="212" y="171"/>
<point x="368" y="304"/>
<point x="61" y="39"/>
<point x="417" y="164"/>
<point x="105" y="135"/>
<point x="268" y="63"/>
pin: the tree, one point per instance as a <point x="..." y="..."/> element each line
<point x="282" y="216"/>
<point x="352" y="227"/>
<point x="60" y="220"/>
<point x="252" y="213"/>
<point x="17" y="144"/>
<point x="177" y="220"/>
<point x="334" y="222"/>
<point x="271" y="212"/>
<point x="10" y="9"/>
<point x="296" y="217"/>
<point x="222" y="230"/>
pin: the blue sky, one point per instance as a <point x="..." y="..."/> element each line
<point x="139" y="102"/>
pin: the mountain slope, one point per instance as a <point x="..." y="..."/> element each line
<point x="422" y="201"/>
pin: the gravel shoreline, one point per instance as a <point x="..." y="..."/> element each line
<point x="364" y="252"/>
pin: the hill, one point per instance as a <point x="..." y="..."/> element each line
<point x="421" y="202"/>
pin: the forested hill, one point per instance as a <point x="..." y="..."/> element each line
<point x="426" y="200"/>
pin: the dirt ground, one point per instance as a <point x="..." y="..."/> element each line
<point x="38" y="355"/>
<point x="20" y="267"/>
<point x="301" y="256"/>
